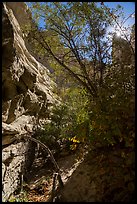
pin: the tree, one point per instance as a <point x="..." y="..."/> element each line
<point x="80" y="28"/>
<point x="75" y="38"/>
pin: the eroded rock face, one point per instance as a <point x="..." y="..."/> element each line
<point x="26" y="93"/>
<point x="122" y="50"/>
<point x="12" y="166"/>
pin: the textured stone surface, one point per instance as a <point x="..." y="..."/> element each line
<point x="26" y="85"/>
<point x="26" y="93"/>
<point x="12" y="160"/>
<point x="122" y="50"/>
<point x="103" y="176"/>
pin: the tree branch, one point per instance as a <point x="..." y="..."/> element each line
<point x="45" y="45"/>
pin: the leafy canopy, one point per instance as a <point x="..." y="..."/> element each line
<point x="74" y="40"/>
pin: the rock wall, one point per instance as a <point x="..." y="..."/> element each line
<point x="105" y="175"/>
<point x="26" y="94"/>
<point x="123" y="50"/>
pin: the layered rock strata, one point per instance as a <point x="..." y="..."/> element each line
<point x="27" y="94"/>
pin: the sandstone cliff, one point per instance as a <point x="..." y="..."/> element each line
<point x="26" y="93"/>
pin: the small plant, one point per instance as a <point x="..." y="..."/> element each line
<point x="22" y="197"/>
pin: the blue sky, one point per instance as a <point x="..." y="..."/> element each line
<point x="128" y="8"/>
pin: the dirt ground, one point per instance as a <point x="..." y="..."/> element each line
<point x="88" y="176"/>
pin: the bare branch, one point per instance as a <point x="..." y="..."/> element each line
<point x="47" y="47"/>
<point x="114" y="18"/>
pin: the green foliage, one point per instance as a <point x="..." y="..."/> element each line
<point x="100" y="106"/>
<point x="60" y="125"/>
<point x="22" y="197"/>
<point x="106" y="120"/>
<point x="69" y="121"/>
<point x="113" y="114"/>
